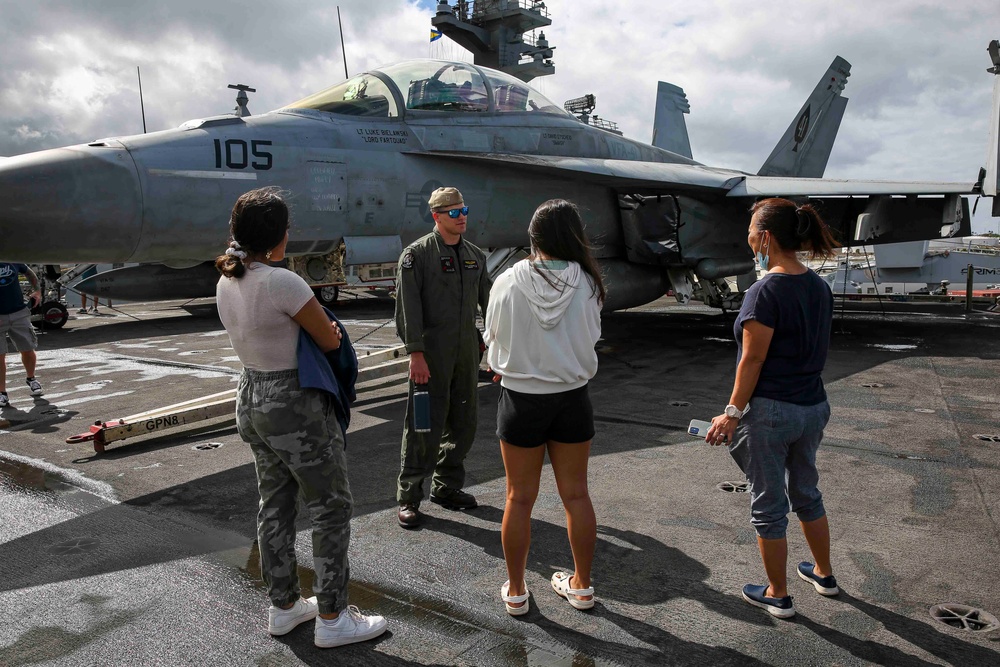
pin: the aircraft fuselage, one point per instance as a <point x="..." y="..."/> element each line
<point x="166" y="196"/>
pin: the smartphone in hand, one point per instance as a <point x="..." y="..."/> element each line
<point x="699" y="428"/>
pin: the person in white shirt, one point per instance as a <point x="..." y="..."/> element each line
<point x="542" y="323"/>
<point x="293" y="432"/>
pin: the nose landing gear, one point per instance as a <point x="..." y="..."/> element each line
<point x="50" y="315"/>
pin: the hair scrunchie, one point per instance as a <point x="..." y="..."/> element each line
<point x="234" y="250"/>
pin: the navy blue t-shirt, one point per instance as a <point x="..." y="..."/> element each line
<point x="800" y="310"/>
<point x="11" y="296"/>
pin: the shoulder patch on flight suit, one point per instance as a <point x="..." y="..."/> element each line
<point x="448" y="264"/>
<point x="407" y="262"/>
<point x="471" y="264"/>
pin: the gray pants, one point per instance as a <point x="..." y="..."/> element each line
<point x="775" y="447"/>
<point x="298" y="447"/>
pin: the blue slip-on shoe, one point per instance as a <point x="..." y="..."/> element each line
<point x="823" y="585"/>
<point x="780" y="607"/>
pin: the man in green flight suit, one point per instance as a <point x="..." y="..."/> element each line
<point x="441" y="279"/>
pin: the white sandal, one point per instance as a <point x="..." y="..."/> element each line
<point x="507" y="599"/>
<point x="560" y="584"/>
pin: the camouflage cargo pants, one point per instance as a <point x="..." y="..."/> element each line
<point x="298" y="447"/>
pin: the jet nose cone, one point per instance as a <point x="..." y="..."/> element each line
<point x="68" y="205"/>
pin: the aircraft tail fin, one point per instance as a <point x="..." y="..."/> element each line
<point x="669" y="129"/>
<point x="991" y="182"/>
<point x="805" y="147"/>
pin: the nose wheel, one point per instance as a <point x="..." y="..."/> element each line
<point x="50" y="315"/>
<point x="328" y="295"/>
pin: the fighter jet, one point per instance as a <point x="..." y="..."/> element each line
<point x="358" y="161"/>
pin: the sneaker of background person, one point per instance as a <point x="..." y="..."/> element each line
<point x="35" y="386"/>
<point x="4" y="400"/>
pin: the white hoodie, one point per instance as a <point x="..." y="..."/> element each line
<point x="542" y="337"/>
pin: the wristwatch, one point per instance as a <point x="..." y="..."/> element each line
<point x="735" y="413"/>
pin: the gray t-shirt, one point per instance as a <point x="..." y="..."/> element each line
<point x="257" y="312"/>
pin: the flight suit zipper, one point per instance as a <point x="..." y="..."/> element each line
<point x="461" y="283"/>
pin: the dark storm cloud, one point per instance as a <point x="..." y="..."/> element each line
<point x="261" y="31"/>
<point x="68" y="68"/>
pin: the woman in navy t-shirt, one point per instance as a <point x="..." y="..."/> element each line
<point x="777" y="411"/>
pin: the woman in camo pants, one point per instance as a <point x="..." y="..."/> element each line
<point x="297" y="442"/>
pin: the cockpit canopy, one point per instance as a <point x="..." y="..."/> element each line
<point x="429" y="85"/>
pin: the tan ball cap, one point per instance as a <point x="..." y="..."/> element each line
<point x="443" y="197"/>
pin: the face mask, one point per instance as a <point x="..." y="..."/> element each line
<point x="763" y="259"/>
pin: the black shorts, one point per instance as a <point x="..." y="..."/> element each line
<point x="531" y="420"/>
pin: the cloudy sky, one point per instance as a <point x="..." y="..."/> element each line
<point x="919" y="91"/>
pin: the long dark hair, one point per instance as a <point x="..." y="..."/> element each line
<point x="258" y="223"/>
<point x="556" y="229"/>
<point x="794" y="227"/>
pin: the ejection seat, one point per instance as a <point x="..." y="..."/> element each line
<point x="511" y="98"/>
<point x="426" y="94"/>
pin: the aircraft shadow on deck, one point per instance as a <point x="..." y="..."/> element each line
<point x="125" y="328"/>
<point x="187" y="319"/>
<point x="697" y="339"/>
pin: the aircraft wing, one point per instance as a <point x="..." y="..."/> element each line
<point x="665" y="177"/>
<point x="779" y="186"/>
<point x="627" y="175"/>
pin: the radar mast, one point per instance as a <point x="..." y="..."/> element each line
<point x="494" y="31"/>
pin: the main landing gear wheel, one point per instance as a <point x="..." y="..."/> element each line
<point x="328" y="295"/>
<point x="54" y="315"/>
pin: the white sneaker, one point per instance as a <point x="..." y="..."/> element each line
<point x="36" y="387"/>
<point x="282" y="621"/>
<point x="4" y="401"/>
<point x="351" y="626"/>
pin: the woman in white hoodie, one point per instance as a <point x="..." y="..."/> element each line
<point x="543" y="321"/>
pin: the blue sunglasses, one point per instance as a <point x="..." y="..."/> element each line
<point x="455" y="212"/>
